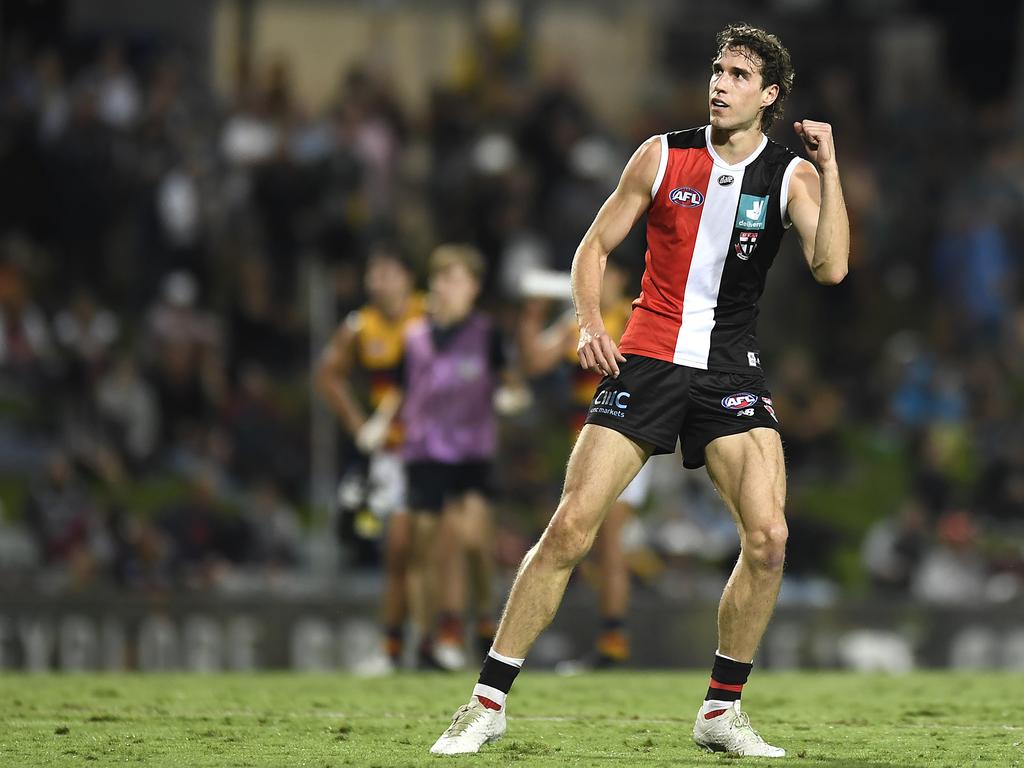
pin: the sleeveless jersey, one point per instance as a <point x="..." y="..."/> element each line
<point x="713" y="231"/>
<point x="380" y="344"/>
<point x="448" y="411"/>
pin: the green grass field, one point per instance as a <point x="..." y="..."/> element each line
<point x="606" y="719"/>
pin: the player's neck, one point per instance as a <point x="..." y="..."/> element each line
<point x="443" y="318"/>
<point x="736" y="145"/>
<point x="395" y="309"/>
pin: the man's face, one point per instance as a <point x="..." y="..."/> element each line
<point x="736" y="95"/>
<point x="387" y="281"/>
<point x="453" y="291"/>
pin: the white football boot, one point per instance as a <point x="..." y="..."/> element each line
<point x="449" y="656"/>
<point x="473" y="725"/>
<point x="731" y="732"/>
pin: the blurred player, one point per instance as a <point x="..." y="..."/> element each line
<point x="718" y="200"/>
<point x="451" y="371"/>
<point x="368" y="345"/>
<point x="543" y="350"/>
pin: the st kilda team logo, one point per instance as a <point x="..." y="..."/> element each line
<point x="746" y="244"/>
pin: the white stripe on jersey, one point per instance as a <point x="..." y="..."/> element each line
<point x="784" y="194"/>
<point x="662" y="165"/>
<point x="710" y="250"/>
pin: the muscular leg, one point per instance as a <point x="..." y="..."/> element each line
<point x="614" y="572"/>
<point x="600" y="467"/>
<point x="750" y="474"/>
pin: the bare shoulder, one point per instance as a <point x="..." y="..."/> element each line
<point x="642" y="167"/>
<point x="805" y="182"/>
<point x="805" y="172"/>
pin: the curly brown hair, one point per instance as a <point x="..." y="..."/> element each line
<point x="770" y="54"/>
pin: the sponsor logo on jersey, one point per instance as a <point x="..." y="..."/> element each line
<point x="752" y="212"/>
<point x="725" y="179"/>
<point x="746" y="244"/>
<point x="687" y="197"/>
<point x="754" y="361"/>
<point x="739" y="401"/>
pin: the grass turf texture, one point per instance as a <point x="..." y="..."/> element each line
<point x="598" y="719"/>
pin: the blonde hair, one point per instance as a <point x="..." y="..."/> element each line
<point x="450" y="254"/>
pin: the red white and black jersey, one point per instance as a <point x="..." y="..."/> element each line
<point x="713" y="230"/>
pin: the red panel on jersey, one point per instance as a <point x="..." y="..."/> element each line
<point x="672" y="223"/>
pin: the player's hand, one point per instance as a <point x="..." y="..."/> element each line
<point x="371" y="436"/>
<point x="817" y="139"/>
<point x="598" y="353"/>
<point x="512" y="400"/>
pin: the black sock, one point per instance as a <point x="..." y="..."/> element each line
<point x="727" y="679"/>
<point x="495" y="681"/>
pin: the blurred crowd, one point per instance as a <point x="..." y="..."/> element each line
<point x="161" y="248"/>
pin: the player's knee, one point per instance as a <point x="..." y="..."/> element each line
<point x="568" y="537"/>
<point x="765" y="546"/>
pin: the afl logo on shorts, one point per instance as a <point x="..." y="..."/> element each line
<point x="687" y="197"/>
<point x="739" y="401"/>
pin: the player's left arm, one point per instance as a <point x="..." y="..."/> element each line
<point x="816" y="206"/>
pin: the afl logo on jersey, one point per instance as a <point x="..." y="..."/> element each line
<point x="687" y="197"/>
<point x="739" y="401"/>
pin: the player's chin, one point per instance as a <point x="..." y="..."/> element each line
<point x="721" y="122"/>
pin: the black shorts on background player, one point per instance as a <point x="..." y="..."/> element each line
<point x="659" y="403"/>
<point x="432" y="483"/>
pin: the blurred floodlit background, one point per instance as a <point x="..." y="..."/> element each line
<point x="188" y="191"/>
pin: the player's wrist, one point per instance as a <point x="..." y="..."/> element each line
<point x="592" y="324"/>
<point x="829" y="170"/>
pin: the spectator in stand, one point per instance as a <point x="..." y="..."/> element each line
<point x="810" y="409"/>
<point x="204" y="539"/>
<point x="258" y="326"/>
<point x="275" y="528"/>
<point x="66" y="522"/>
<point x="127" y="408"/>
<point x="953" y="572"/>
<point x="85" y="333"/>
<point x="894" y="547"/>
<point x="118" y="98"/>
<point x="187" y="373"/>
<point x="262" y="443"/>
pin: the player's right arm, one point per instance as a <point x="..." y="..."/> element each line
<point x="631" y="198"/>
<point x="333" y="376"/>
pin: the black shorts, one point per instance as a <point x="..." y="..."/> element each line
<point x="433" y="483"/>
<point x="659" y="403"/>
